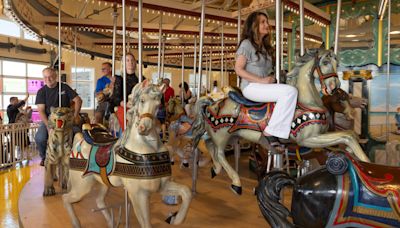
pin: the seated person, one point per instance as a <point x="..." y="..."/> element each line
<point x="254" y="59"/>
<point x="102" y="86"/>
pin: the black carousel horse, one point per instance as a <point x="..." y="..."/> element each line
<point x="344" y="193"/>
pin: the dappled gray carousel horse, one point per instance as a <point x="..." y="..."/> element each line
<point x="236" y="116"/>
<point x="138" y="161"/>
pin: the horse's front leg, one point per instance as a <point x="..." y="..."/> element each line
<point x="236" y="184"/>
<point x="334" y="138"/>
<point x="169" y="187"/>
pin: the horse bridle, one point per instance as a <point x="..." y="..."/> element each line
<point x="144" y="115"/>
<point x="321" y="76"/>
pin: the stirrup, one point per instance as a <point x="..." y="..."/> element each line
<point x="274" y="142"/>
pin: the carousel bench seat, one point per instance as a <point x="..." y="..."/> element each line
<point x="97" y="134"/>
<point x="239" y="98"/>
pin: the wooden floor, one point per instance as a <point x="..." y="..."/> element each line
<point x="214" y="205"/>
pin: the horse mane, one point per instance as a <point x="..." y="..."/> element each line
<point x="133" y="99"/>
<point x="300" y="62"/>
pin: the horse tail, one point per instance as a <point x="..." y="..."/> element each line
<point x="198" y="126"/>
<point x="268" y="196"/>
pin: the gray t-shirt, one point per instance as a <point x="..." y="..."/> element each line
<point x="256" y="64"/>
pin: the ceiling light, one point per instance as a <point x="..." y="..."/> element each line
<point x="350" y="36"/>
<point x="394" y="32"/>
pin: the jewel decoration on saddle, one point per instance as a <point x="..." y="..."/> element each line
<point x="305" y="116"/>
<point x="375" y="198"/>
<point x="216" y="120"/>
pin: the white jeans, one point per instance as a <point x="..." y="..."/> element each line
<point x="285" y="97"/>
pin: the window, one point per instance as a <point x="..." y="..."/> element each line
<point x="9" y="28"/>
<point x="193" y="82"/>
<point x="35" y="70"/>
<point x="12" y="68"/>
<point x="154" y="76"/>
<point x="83" y="83"/>
<point x="18" y="78"/>
<point x="28" y="36"/>
<point x="14" y="85"/>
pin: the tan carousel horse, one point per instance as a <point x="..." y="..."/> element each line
<point x="237" y="116"/>
<point x="138" y="161"/>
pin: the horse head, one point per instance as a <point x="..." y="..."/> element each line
<point x="324" y="70"/>
<point x="143" y="102"/>
<point x="172" y="106"/>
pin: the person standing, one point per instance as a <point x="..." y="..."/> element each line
<point x="169" y="91"/>
<point x="47" y="97"/>
<point x="13" y="108"/>
<point x="254" y="61"/>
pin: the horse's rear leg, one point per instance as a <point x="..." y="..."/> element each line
<point x="335" y="138"/>
<point x="173" y="188"/>
<point x="102" y="205"/>
<point x="236" y="184"/>
<point x="141" y="204"/>
<point x="79" y="188"/>
<point x="212" y="149"/>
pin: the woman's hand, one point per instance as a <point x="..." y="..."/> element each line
<point x="268" y="80"/>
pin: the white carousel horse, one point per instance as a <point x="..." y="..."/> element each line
<point x="141" y="162"/>
<point x="235" y="116"/>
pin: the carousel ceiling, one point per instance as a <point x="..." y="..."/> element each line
<point x="90" y="22"/>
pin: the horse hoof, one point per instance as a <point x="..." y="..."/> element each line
<point x="213" y="174"/>
<point x="169" y="219"/>
<point x="49" y="191"/>
<point x="236" y="189"/>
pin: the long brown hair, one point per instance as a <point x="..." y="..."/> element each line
<point x="251" y="32"/>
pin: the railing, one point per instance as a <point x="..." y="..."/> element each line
<point x="17" y="143"/>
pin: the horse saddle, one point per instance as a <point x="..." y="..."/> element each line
<point x="97" y="134"/>
<point x="379" y="178"/>
<point x="239" y="98"/>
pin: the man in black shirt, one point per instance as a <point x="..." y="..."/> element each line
<point x="13" y="108"/>
<point x="47" y="97"/>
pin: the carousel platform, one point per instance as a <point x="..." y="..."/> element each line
<point x="214" y="204"/>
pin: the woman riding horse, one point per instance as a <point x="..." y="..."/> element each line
<point x="254" y="65"/>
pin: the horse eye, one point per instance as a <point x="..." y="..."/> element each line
<point x="142" y="100"/>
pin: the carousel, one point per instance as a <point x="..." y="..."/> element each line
<point x="175" y="138"/>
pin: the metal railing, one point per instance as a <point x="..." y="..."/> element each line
<point x="17" y="143"/>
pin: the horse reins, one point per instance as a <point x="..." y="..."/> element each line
<point x="321" y="76"/>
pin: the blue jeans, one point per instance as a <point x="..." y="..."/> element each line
<point x="41" y="139"/>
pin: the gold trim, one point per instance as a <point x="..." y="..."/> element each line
<point x="366" y="74"/>
<point x="380" y="42"/>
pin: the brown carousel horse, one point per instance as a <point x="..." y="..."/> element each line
<point x="237" y="116"/>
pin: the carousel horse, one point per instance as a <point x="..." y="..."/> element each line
<point x="237" y="116"/>
<point x="59" y="144"/>
<point x="138" y="161"/>
<point x="180" y="135"/>
<point x="344" y="193"/>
